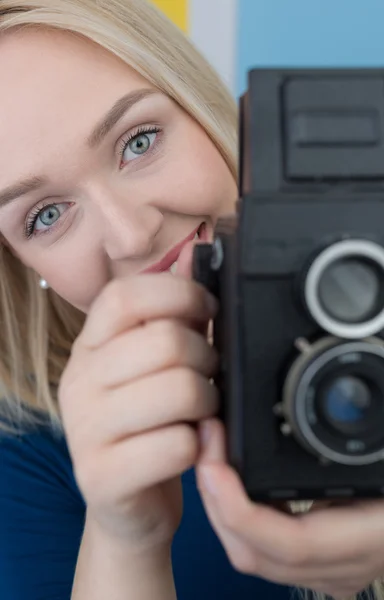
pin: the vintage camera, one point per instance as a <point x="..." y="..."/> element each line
<point x="299" y="274"/>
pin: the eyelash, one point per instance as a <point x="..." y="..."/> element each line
<point x="35" y="213"/>
<point x="32" y="218"/>
<point x="134" y="134"/>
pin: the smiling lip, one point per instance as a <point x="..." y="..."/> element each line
<point x="165" y="263"/>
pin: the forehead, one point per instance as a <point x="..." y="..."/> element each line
<point x="55" y="85"/>
<point x="60" y="54"/>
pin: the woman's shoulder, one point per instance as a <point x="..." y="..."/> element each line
<point x="41" y="515"/>
<point x="36" y="454"/>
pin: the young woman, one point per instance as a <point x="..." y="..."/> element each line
<point x="117" y="154"/>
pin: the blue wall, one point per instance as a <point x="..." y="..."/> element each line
<point x="309" y="33"/>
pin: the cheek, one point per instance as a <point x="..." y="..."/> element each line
<point x="199" y="182"/>
<point x="68" y="275"/>
<point x="78" y="290"/>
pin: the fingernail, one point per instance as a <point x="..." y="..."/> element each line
<point x="208" y="479"/>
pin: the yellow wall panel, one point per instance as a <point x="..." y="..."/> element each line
<point x="177" y="10"/>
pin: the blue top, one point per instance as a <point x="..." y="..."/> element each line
<point x="41" y="520"/>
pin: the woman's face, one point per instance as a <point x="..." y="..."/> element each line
<point x="108" y="199"/>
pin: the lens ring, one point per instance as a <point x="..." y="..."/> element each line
<point x="341" y="250"/>
<point x="297" y="383"/>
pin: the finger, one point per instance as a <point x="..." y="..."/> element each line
<point x="128" y="302"/>
<point x="244" y="556"/>
<point x="201" y="327"/>
<point x="215" y="478"/>
<point x="138" y="462"/>
<point x="269" y="528"/>
<point x="246" y="559"/>
<point x="212" y="442"/>
<point x="324" y="536"/>
<point x="328" y="533"/>
<point x="130" y="355"/>
<point x="169" y="397"/>
<point x="353" y="532"/>
<point x="293" y="568"/>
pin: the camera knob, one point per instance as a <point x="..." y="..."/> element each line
<point x="202" y="269"/>
<point x="286" y="429"/>
<point x="278" y="410"/>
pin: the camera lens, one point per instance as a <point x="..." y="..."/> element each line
<point x="351" y="291"/>
<point x="333" y="400"/>
<point x="347" y="402"/>
<point x="344" y="289"/>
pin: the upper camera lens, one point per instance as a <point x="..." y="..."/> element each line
<point x="350" y="290"/>
<point x="344" y="289"/>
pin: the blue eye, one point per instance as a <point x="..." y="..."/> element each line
<point x="47" y="216"/>
<point x="138" y="143"/>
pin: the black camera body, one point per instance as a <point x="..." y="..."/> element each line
<point x="299" y="274"/>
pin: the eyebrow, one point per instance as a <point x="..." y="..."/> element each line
<point x="102" y="129"/>
<point x="113" y="116"/>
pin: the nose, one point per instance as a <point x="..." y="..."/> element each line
<point x="130" y="233"/>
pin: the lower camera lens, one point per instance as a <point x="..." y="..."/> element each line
<point x="347" y="404"/>
<point x="333" y="400"/>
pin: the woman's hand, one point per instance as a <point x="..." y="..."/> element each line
<point x="134" y="388"/>
<point x="336" y="550"/>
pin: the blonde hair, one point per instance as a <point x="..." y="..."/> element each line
<point x="39" y="328"/>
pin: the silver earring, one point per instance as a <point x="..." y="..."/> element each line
<point x="43" y="284"/>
